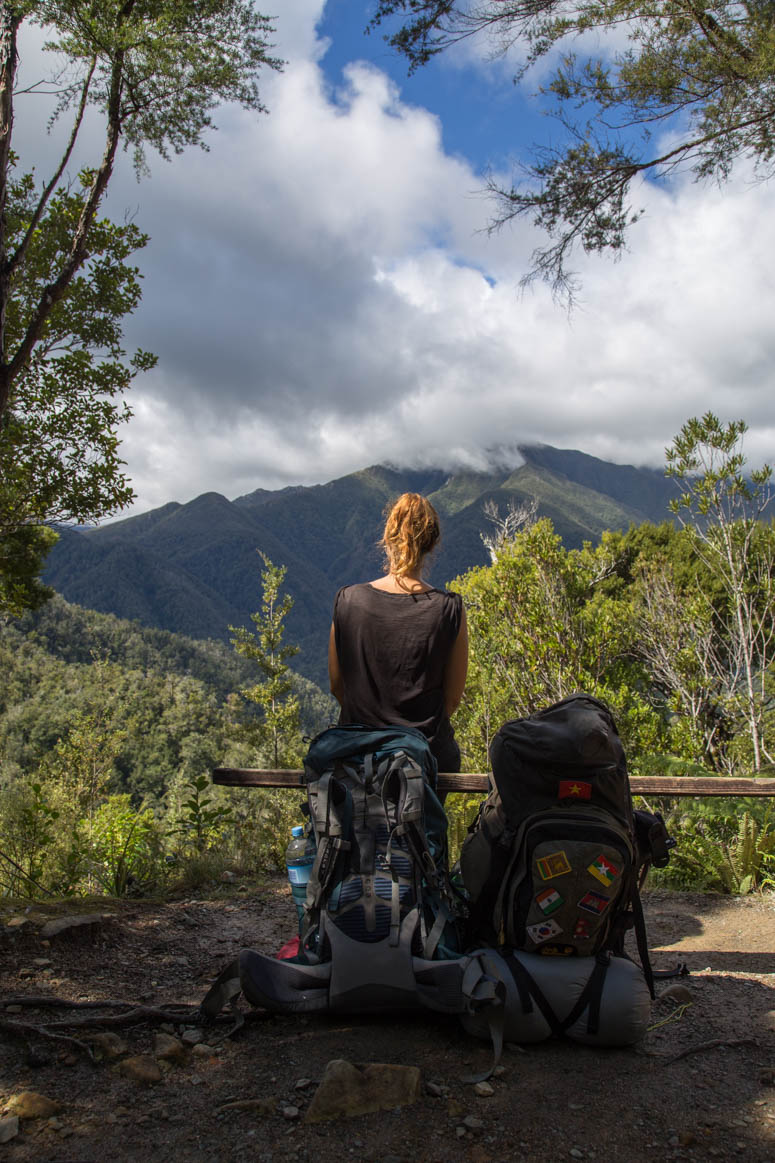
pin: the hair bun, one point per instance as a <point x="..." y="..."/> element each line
<point x="411" y="532"/>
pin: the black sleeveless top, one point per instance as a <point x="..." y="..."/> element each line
<point x="392" y="651"/>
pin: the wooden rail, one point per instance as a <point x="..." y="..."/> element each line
<point x="650" y="785"/>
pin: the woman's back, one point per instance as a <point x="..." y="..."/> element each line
<point x="394" y="648"/>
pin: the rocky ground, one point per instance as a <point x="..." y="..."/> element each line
<point x="700" y="1086"/>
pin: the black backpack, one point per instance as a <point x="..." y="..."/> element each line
<point x="554" y="861"/>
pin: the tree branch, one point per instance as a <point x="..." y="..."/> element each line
<point x="55" y="291"/>
<point x="18" y="257"/>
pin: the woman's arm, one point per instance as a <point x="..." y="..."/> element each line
<point x="456" y="669"/>
<point x="334" y="673"/>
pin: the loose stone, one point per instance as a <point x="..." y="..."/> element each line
<point x="83" y="926"/>
<point x="168" y="1048"/>
<point x="31" y="1105"/>
<point x="110" y="1045"/>
<point x="677" y="993"/>
<point x="9" y="1128"/>
<point x="141" y="1068"/>
<point x="347" y="1090"/>
<point x="202" y="1050"/>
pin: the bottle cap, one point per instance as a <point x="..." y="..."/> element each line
<point x="297" y="830"/>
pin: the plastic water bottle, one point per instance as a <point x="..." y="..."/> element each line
<point x="299" y="858"/>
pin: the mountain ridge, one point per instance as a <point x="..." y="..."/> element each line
<point x="193" y="568"/>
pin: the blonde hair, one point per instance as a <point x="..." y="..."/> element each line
<point x="411" y="532"/>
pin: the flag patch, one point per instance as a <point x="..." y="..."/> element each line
<point x="542" y="932"/>
<point x="555" y="864"/>
<point x="594" y="902"/>
<point x="603" y="870"/>
<point x="557" y="951"/>
<point x="574" y="789"/>
<point x="548" y="901"/>
<point x="581" y="930"/>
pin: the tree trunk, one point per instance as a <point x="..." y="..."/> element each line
<point x="9" y="24"/>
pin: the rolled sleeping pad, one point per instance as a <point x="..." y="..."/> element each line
<point x="620" y="1019"/>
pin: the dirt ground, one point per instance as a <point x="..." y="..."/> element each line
<point x="700" y="1086"/>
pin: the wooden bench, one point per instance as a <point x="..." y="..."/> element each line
<point x="651" y="785"/>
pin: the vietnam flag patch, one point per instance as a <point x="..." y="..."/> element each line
<point x="603" y="870"/>
<point x="574" y="789"/>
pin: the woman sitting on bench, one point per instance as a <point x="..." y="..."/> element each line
<point x="398" y="649"/>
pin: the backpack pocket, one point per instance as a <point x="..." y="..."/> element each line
<point x="569" y="887"/>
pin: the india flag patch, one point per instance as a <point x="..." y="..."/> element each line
<point x="549" y="901"/>
<point x="603" y="870"/>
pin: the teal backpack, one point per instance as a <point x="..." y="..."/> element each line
<point x="379" y="929"/>
<point x="379" y="893"/>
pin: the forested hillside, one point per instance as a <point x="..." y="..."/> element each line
<point x="167" y="701"/>
<point x="193" y="568"/>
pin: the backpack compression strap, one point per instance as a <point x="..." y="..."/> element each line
<point x="590" y="995"/>
<point x="331" y="812"/>
<point x="410" y="811"/>
<point x="486" y="994"/>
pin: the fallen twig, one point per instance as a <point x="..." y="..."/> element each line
<point x="313" y="1034"/>
<point x="711" y="1046"/>
<point x="246" y="1104"/>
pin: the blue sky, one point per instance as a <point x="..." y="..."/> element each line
<point x="484" y="116"/>
<point x="322" y="295"/>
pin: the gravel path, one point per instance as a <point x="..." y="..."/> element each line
<point x="700" y="1086"/>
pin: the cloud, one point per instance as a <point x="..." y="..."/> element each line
<point x="322" y="297"/>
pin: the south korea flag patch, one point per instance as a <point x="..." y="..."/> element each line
<point x="543" y="932"/>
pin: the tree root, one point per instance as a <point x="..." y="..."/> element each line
<point x="25" y="1030"/>
<point x="132" y="1015"/>
<point x="44" y="1001"/>
<point x="702" y="1046"/>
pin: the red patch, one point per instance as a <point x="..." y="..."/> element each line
<point x="289" y="949"/>
<point x="574" y="789"/>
